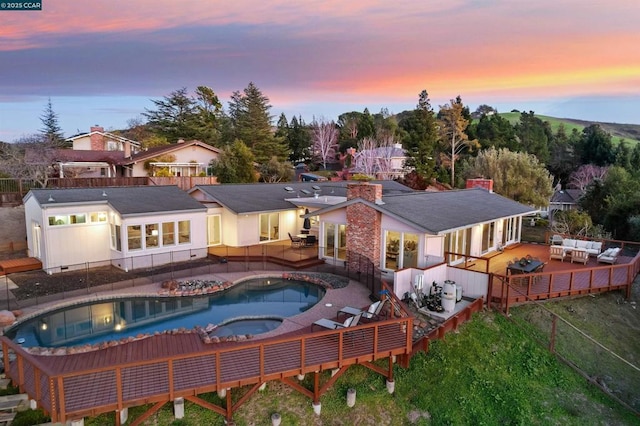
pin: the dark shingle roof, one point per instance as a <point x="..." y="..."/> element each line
<point x="567" y="196"/>
<point x="440" y="211"/>
<point x="260" y="197"/>
<point x="128" y="201"/>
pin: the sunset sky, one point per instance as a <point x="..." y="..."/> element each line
<point x="101" y="62"/>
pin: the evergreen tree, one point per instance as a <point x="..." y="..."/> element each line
<point x="235" y="164"/>
<point x="299" y="140"/>
<point x="366" y="125"/>
<point x="595" y="146"/>
<point x="494" y="131"/>
<point x="51" y="130"/>
<point x="175" y="116"/>
<point x="251" y="122"/>
<point x="563" y="161"/>
<point x="534" y="135"/>
<point x="420" y="137"/>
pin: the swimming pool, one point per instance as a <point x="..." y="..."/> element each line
<point x="252" y="302"/>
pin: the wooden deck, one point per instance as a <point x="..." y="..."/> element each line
<point x="159" y="369"/>
<point x="279" y="253"/>
<point x="558" y="279"/>
<point x="23" y="264"/>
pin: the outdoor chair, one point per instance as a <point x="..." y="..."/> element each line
<point x="581" y="256"/>
<point x="310" y="240"/>
<point x="373" y="311"/>
<point x="295" y="241"/>
<point x="557" y="252"/>
<point x="334" y="325"/>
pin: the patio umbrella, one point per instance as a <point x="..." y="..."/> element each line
<point x="307" y="221"/>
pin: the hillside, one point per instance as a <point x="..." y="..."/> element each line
<point x="629" y="132"/>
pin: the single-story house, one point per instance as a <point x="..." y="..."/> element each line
<point x="128" y="227"/>
<point x="563" y="199"/>
<point x="394" y="226"/>
<point x="415" y="229"/>
<point x="246" y="214"/>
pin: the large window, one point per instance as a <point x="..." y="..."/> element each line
<point x="168" y="233"/>
<point x="134" y="237"/>
<point x="67" y="219"/>
<point x="213" y="230"/>
<point x="401" y="250"/>
<point x="488" y="236"/>
<point x="152" y="235"/>
<point x="334" y="243"/>
<point x="184" y="232"/>
<point x="329" y="240"/>
<point x="116" y="241"/>
<point x="458" y="243"/>
<point x="269" y="226"/>
<point x="510" y="230"/>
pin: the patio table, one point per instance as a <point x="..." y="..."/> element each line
<point x="527" y="268"/>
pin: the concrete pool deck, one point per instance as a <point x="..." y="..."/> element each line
<point x="354" y="294"/>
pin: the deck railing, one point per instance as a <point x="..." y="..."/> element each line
<point x="89" y="391"/>
<point x="506" y="290"/>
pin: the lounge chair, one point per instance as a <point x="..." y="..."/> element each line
<point x="295" y="241"/>
<point x="373" y="311"/>
<point x="557" y="252"/>
<point x="334" y="325"/>
<point x="581" y="256"/>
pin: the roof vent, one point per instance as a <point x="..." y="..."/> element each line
<point x="51" y="200"/>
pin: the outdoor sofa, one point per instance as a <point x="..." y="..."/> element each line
<point x="592" y="247"/>
<point x="609" y="255"/>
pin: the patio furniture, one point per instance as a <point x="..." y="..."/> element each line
<point x="592" y="247"/>
<point x="295" y="241"/>
<point x="527" y="267"/>
<point x="581" y="256"/>
<point x="557" y="252"/>
<point x="556" y="240"/>
<point x="334" y="325"/>
<point x="609" y="255"/>
<point x="373" y="311"/>
<point x="310" y="240"/>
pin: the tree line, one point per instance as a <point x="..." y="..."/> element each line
<point x="526" y="160"/>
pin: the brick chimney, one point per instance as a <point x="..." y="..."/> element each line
<point x="97" y="140"/>
<point x="480" y="183"/>
<point x="363" y="224"/>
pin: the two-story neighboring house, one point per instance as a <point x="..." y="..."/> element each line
<point x="95" y="154"/>
<point x="104" y="154"/>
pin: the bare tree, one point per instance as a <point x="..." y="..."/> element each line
<point x="586" y="174"/>
<point x="29" y="158"/>
<point x="324" y="138"/>
<point x="375" y="157"/>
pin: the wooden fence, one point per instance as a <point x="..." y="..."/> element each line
<point x="13" y="190"/>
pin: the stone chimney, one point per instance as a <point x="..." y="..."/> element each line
<point x="363" y="224"/>
<point x="480" y="183"/>
<point x="97" y="140"/>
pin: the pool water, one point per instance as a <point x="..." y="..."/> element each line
<point x="259" y="305"/>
